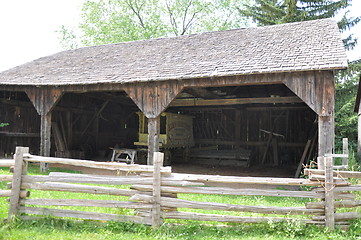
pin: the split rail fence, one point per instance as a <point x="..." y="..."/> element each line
<point x="153" y="193"/>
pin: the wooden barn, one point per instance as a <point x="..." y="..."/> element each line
<point x="254" y="96"/>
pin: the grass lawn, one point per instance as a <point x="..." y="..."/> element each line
<point x="56" y="228"/>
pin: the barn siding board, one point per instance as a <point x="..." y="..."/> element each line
<point x="316" y="89"/>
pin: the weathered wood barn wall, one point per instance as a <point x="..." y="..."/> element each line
<point x="256" y="82"/>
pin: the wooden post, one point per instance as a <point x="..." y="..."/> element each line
<point x="20" y="169"/>
<point x="321" y="163"/>
<point x="237" y="128"/>
<point x="345" y="151"/>
<point x="153" y="138"/>
<point x="156" y="216"/>
<point x="44" y="100"/>
<point x="326" y="135"/>
<point x="45" y="135"/>
<point x="329" y="197"/>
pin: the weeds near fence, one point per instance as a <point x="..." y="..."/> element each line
<point x="53" y="228"/>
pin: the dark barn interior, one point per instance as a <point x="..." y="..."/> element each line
<point x="251" y="132"/>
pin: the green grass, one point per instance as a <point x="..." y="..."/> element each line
<point x="57" y="228"/>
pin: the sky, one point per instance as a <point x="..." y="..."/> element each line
<point x="28" y="28"/>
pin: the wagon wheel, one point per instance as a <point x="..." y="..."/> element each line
<point x="167" y="157"/>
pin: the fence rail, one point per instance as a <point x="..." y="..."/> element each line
<point x="153" y="193"/>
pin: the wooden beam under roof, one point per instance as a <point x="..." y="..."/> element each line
<point x="201" y="93"/>
<point x="232" y="101"/>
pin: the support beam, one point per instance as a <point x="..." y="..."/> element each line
<point x="44" y="100"/>
<point x="326" y="135"/>
<point x="45" y="143"/>
<point x="201" y="93"/>
<point x="153" y="138"/>
<point x="152" y="98"/>
<point x="233" y="101"/>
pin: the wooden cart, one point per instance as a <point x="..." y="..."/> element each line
<point x="176" y="135"/>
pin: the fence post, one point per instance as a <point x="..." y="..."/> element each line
<point x="329" y="197"/>
<point x="157" y="163"/>
<point x="345" y="151"/>
<point x="20" y="168"/>
<point x="321" y="163"/>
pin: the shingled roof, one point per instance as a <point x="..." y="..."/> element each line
<point x="302" y="46"/>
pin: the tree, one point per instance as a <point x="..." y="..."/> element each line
<point x="112" y="21"/>
<point x="270" y="12"/>
<point x="346" y="90"/>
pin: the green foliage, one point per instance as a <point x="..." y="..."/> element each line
<point x="270" y="12"/>
<point x="113" y="21"/>
<point x="346" y="90"/>
<point x="54" y="228"/>
<point x="4" y="124"/>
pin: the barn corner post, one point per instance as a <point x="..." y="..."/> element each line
<point x="20" y="168"/>
<point x="44" y="100"/>
<point x="156" y="210"/>
<point x="325" y="89"/>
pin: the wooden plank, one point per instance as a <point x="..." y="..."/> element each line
<point x="181" y="203"/>
<point x="67" y="187"/>
<point x="164" y="182"/>
<point x="321" y="178"/>
<point x="19" y="170"/>
<point x="337" y="204"/>
<point x="94" y="180"/>
<point x="92" y="164"/>
<point x="86" y="203"/>
<point x="339" y="174"/>
<point x="232" y="191"/>
<point x="345" y="152"/>
<point x="348" y="188"/>
<point x="156" y="217"/>
<point x="58" y="137"/>
<point x="245" y="180"/>
<point x="246" y="143"/>
<point x="7" y="163"/>
<point x="226" y="218"/>
<point x="267" y="147"/>
<point x="299" y="168"/>
<point x="329" y="196"/>
<point x="103" y="180"/>
<point x="6" y="178"/>
<point x="85" y="215"/>
<point x="340" y="217"/>
<point x="134" y="177"/>
<point x="7" y="193"/>
<point x="334" y="155"/>
<point x="232" y="101"/>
